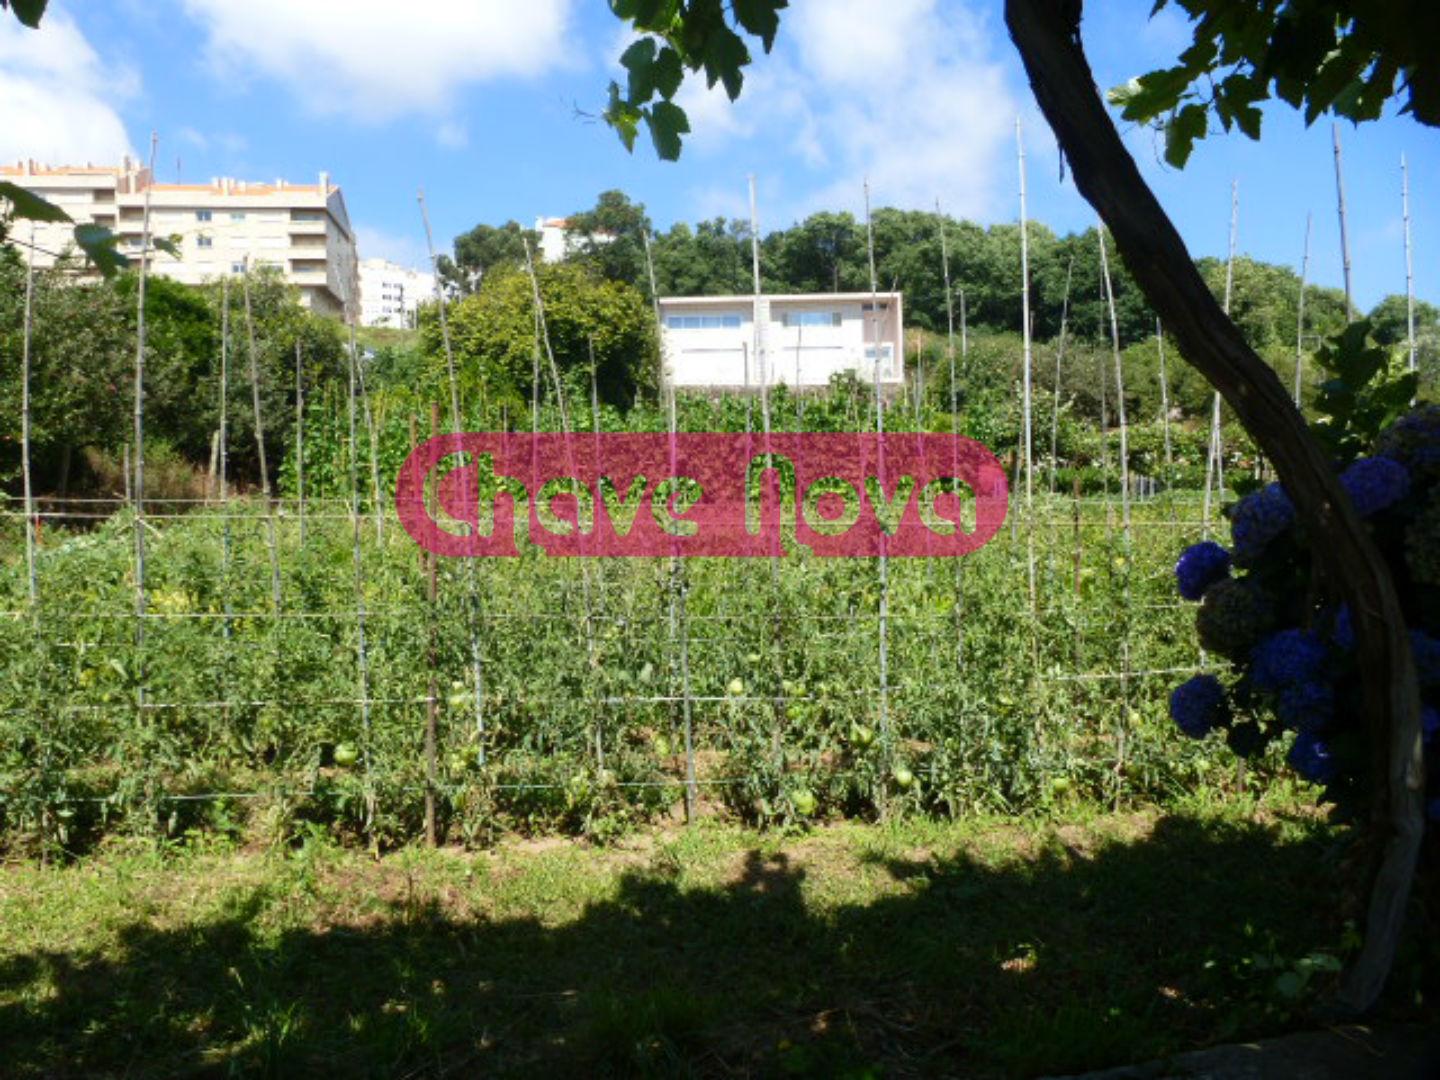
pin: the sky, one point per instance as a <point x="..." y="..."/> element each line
<point x="490" y="107"/>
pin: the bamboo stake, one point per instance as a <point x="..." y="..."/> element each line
<point x="957" y="608"/>
<point x="1026" y="394"/>
<point x="1165" y="408"/>
<point x="1409" y="264"/>
<point x="432" y="704"/>
<point x="31" y="521"/>
<point x="1344" y="223"/>
<point x="1300" y="315"/>
<point x="1214" y="464"/>
<point x="300" y="442"/>
<point x="361" y="646"/>
<point x="1059" y="356"/>
<point x="678" y="622"/>
<point x="472" y="590"/>
<point x="139" y="435"/>
<point x="883" y="622"/>
<point x="271" y="542"/>
<point x="1119" y="387"/>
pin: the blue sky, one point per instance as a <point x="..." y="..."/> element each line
<point x="482" y="103"/>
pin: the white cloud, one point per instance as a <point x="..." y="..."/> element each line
<point x="892" y="90"/>
<point x="374" y="59"/>
<point x="452" y="135"/>
<point x="225" y="142"/>
<point x="58" y="98"/>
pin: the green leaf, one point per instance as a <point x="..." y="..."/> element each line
<point x="667" y="123"/>
<point x="623" y="117"/>
<point x="29" y="206"/>
<point x="168" y="244"/>
<point x="669" y="73"/>
<point x="1187" y="125"/>
<point x="761" y="18"/>
<point x="28" y="12"/>
<point x="639" y="61"/>
<point x="725" y="54"/>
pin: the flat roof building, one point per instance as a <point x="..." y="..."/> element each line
<point x="711" y="342"/>
<point x="391" y="294"/>
<point x="302" y="229"/>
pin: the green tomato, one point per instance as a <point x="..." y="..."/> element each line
<point x="752" y="658"/>
<point x="736" y="687"/>
<point x="346" y="755"/>
<point x="861" y="735"/>
<point x="803" y="800"/>
<point x="903" y="777"/>
<point x="662" y="745"/>
<point x="1060" y="785"/>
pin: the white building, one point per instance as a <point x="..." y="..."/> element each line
<point x="391" y="294"/>
<point x="554" y="245"/>
<point x="303" y="229"/>
<point x="711" y="341"/>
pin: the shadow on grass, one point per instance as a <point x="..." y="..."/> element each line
<point x="1060" y="962"/>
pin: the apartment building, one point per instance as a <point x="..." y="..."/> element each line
<point x="391" y="294"/>
<point x="302" y="229"/>
<point x="711" y="342"/>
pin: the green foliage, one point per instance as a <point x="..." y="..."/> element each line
<point x="1367" y="390"/>
<point x="494" y="335"/>
<point x="483" y="249"/>
<point x="680" y="36"/>
<point x="1346" y="57"/>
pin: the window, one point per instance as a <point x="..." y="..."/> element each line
<point x="237" y="215"/>
<point x="810" y="318"/>
<point x="703" y="322"/>
<point x="204" y="241"/>
<point x="306" y="215"/>
<point x="203" y="215"/>
<point x="237" y="268"/>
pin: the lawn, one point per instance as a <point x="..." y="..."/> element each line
<point x="983" y="946"/>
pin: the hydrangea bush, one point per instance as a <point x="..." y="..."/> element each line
<point x="1292" y="674"/>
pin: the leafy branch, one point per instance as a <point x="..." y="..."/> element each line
<point x="1344" y="57"/>
<point x="681" y="36"/>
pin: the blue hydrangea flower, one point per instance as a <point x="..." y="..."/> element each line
<point x="1200" y="566"/>
<point x="1306" y="706"/>
<point x="1310" y="757"/>
<point x="1375" y="483"/>
<point x="1198" y="705"/>
<point x="1287" y="657"/>
<point x="1427" y="657"/>
<point x="1258" y="519"/>
<point x="1414" y="441"/>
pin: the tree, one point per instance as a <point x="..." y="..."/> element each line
<point x="1258" y="45"/>
<point x="609" y="239"/>
<point x="483" y="249"/>
<point x="494" y="336"/>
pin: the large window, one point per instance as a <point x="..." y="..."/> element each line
<point x="810" y="318"/>
<point x="703" y="322"/>
<point x="204" y="241"/>
<point x="203" y="215"/>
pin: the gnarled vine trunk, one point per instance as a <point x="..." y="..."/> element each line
<point x="1047" y="34"/>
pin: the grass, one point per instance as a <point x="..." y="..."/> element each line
<point x="985" y="946"/>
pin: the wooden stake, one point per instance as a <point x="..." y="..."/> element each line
<point x="1300" y="316"/>
<point x="1409" y="264"/>
<point x="1344" y="223"/>
<point x="1119" y="386"/>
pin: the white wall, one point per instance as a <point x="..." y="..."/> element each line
<point x="803" y="341"/>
